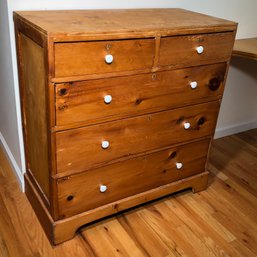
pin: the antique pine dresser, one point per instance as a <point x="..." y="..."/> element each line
<point x="119" y="107"/>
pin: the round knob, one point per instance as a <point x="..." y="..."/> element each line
<point x="103" y="188"/>
<point x="214" y="84"/>
<point x="108" y="58"/>
<point x="107" y="99"/>
<point x="199" y="49"/>
<point x="179" y="165"/>
<point x="105" y="144"/>
<point x="193" y="84"/>
<point x="187" y="125"/>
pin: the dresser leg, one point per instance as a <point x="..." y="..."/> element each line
<point x="63" y="234"/>
<point x="201" y="184"/>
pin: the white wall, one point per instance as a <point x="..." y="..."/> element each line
<point x="10" y="131"/>
<point x="238" y="112"/>
<point x="239" y="105"/>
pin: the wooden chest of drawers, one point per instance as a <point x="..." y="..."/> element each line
<point x="119" y="107"/>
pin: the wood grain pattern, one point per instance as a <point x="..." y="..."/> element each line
<point x="65" y="229"/>
<point x="23" y="27"/>
<point x="193" y="225"/>
<point x="83" y="102"/>
<point x="35" y="126"/>
<point x="105" y="24"/>
<point x="67" y="46"/>
<point x="81" y="58"/>
<point x="181" y="51"/>
<point x="20" y="231"/>
<point x="220" y="221"/>
<point x="246" y="48"/>
<point x="129" y="178"/>
<point x="80" y="149"/>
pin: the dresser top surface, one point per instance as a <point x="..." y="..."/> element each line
<point x="147" y="22"/>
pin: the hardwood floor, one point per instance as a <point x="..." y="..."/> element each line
<point x="220" y="221"/>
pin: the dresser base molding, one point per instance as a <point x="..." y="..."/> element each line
<point x="63" y="230"/>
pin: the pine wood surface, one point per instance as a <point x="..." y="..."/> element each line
<point x="79" y="24"/>
<point x="33" y="94"/>
<point x="66" y="229"/>
<point x="82" y="58"/>
<point x="80" y="149"/>
<point x="87" y="58"/>
<point x="180" y="51"/>
<point x="129" y="177"/>
<point x="220" y="221"/>
<point x="82" y="103"/>
<point x="71" y="41"/>
<point x="246" y="48"/>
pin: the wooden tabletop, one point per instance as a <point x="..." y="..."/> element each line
<point x="246" y="48"/>
<point x="142" y="21"/>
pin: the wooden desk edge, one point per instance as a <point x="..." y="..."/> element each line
<point x="245" y="53"/>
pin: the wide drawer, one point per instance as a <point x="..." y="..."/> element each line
<point x="87" y="147"/>
<point x="108" y="99"/>
<point x="82" y="192"/>
<point x="82" y="58"/>
<point x="186" y="50"/>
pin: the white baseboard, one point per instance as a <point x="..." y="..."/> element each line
<point x="13" y="162"/>
<point x="234" y="129"/>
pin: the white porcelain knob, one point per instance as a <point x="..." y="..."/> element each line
<point x="199" y="49"/>
<point x="103" y="188"/>
<point x="108" y="58"/>
<point x="105" y="144"/>
<point x="179" y="165"/>
<point x="187" y="125"/>
<point x="193" y="84"/>
<point x="107" y="99"/>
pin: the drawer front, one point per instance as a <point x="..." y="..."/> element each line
<point x="108" y="99"/>
<point x="82" y="192"/>
<point x="182" y="51"/>
<point x="87" y="147"/>
<point x="82" y="58"/>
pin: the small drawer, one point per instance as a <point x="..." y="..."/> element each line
<point x="93" y="146"/>
<point x="105" y="185"/>
<point x="102" y="100"/>
<point x="83" y="58"/>
<point x="195" y="50"/>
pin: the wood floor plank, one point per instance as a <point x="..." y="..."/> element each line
<point x="242" y="200"/>
<point x="237" y="161"/>
<point x="115" y="241"/>
<point x="7" y="235"/>
<point x="144" y="240"/>
<point x="220" y="221"/>
<point x="236" y="188"/>
<point x="197" y="208"/>
<point x="234" y="220"/>
<point x="248" y="136"/>
<point x="167" y="230"/>
<point x="205" y="240"/>
<point x="242" y="249"/>
<point x="21" y="233"/>
<point x="144" y="233"/>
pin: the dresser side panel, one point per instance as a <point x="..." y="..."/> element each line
<point x="35" y="115"/>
